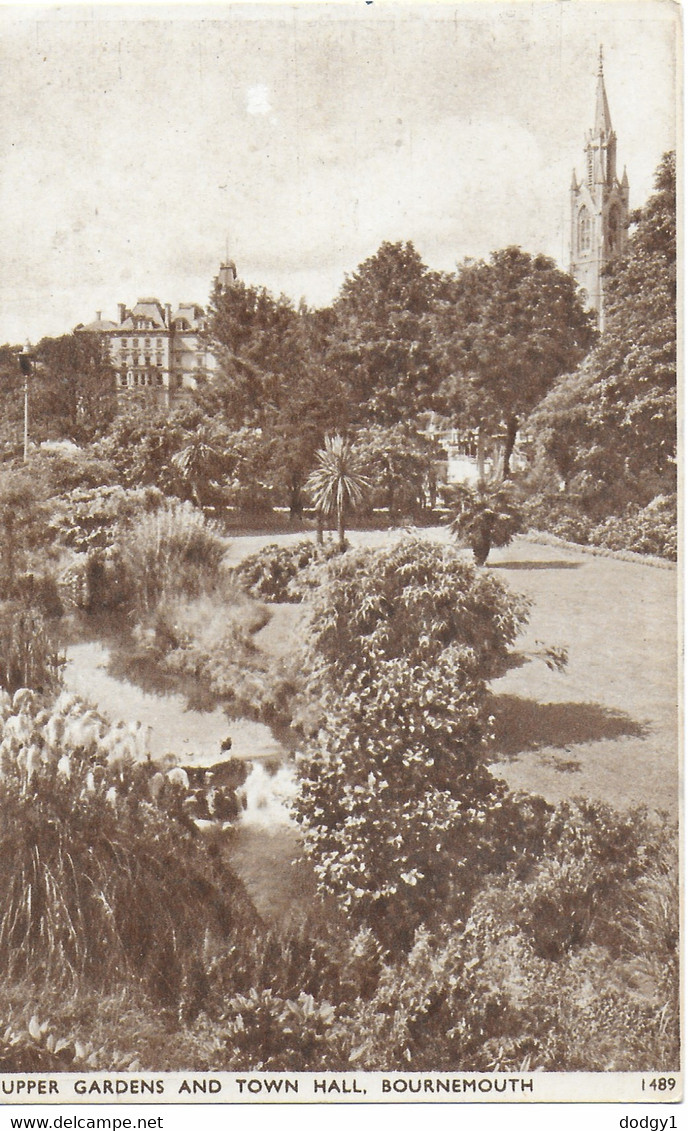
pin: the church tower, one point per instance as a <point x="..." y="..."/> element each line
<point x="599" y="206"/>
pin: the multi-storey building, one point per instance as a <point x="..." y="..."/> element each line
<point x="153" y="349"/>
<point x="599" y="206"/>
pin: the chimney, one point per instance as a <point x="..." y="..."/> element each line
<point x="168" y="314"/>
<point x="122" y="312"/>
<point x="98" y="315"/>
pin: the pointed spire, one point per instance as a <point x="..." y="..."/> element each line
<point x="574" y="182"/>
<point x="603" y="120"/>
<point x="624" y="179"/>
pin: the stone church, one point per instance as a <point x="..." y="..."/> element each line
<point x="599" y="206"/>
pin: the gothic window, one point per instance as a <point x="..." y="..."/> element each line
<point x="584" y="231"/>
<point x="613" y="229"/>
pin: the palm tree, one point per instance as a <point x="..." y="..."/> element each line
<point x="337" y="485"/>
<point x="200" y="462"/>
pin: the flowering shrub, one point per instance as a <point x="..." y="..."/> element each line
<point x="88" y="518"/>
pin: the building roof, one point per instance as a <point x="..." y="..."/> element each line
<point x="98" y="327"/>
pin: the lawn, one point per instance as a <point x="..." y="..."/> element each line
<point x="607" y="728"/>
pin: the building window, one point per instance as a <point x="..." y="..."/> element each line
<point x="584" y="231"/>
<point x="613" y="229"/>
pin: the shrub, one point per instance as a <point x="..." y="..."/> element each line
<point x="398" y="813"/>
<point x="645" y="530"/>
<point x="559" y="516"/>
<point x="88" y="518"/>
<point x="270" y="573"/>
<point x="210" y="640"/>
<point x="176" y="551"/>
<point x="410" y="600"/>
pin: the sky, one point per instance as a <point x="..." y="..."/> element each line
<point x="140" y="143"/>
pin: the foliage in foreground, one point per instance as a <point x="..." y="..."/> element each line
<point x="102" y="879"/>
<point x="566" y="962"/>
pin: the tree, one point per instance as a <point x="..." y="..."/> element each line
<point x="337" y="484"/>
<point x="11" y="399"/>
<point x="399" y="462"/>
<point x="486" y="515"/>
<point x="205" y="458"/>
<point x="272" y="377"/>
<point x="254" y="336"/>
<point x="610" y="427"/>
<point x="73" y="387"/>
<point x="381" y="342"/>
<point x="508" y="329"/>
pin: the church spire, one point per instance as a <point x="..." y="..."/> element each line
<point x="603" y="120"/>
<point x="599" y="205"/>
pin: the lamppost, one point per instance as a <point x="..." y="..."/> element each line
<point x="26" y="365"/>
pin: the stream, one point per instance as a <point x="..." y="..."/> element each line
<point x="265" y="842"/>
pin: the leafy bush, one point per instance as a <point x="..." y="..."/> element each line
<point x="398" y="814"/>
<point x="29" y="656"/>
<point x="269" y="572"/>
<point x="175" y="551"/>
<point x="266" y="1032"/>
<point x="102" y="878"/>
<point x="482" y="992"/>
<point x="88" y="518"/>
<point x="557" y="515"/>
<point x="645" y="530"/>
<point x="409" y="600"/>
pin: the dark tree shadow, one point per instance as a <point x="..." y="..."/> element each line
<point x="524" y="724"/>
<point x="537" y="565"/>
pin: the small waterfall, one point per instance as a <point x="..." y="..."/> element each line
<point x="266" y="796"/>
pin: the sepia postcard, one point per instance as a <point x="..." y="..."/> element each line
<point x="339" y="632"/>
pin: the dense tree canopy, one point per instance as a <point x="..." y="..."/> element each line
<point x="73" y="387"/>
<point x="271" y="375"/>
<point x="508" y="328"/>
<point x="381" y="344"/>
